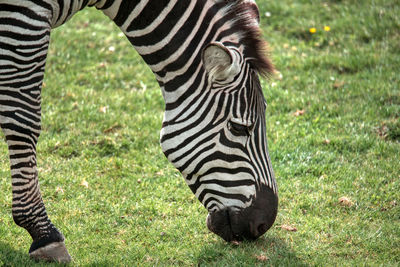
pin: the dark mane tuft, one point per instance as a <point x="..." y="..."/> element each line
<point x="245" y="15"/>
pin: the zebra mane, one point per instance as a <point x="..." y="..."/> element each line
<point x="245" y="17"/>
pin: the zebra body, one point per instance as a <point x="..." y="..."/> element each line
<point x="206" y="56"/>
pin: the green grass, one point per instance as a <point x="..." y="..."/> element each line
<point x="137" y="209"/>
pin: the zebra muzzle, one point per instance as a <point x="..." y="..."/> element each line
<point x="248" y="223"/>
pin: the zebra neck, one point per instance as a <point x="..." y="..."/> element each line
<point x="170" y="35"/>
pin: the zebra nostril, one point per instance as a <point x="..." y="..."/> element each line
<point x="257" y="229"/>
<point x="262" y="228"/>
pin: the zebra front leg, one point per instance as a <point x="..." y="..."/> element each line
<point x="24" y="41"/>
<point x="21" y="129"/>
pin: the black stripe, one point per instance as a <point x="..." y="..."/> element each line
<point x="215" y="156"/>
<point x="159" y="33"/>
<point x="19" y="23"/>
<point x="224" y="195"/>
<point x="151" y="11"/>
<point x="61" y="9"/>
<point x="195" y="156"/>
<point x="124" y="11"/>
<point x="23" y="10"/>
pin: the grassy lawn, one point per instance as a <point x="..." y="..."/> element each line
<point x="333" y="121"/>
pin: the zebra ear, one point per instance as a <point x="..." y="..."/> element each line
<point x="220" y="62"/>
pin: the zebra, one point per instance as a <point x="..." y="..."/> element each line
<point x="207" y="56"/>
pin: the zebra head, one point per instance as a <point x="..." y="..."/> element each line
<point x="214" y="129"/>
<point x="219" y="144"/>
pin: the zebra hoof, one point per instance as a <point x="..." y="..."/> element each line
<point x="53" y="252"/>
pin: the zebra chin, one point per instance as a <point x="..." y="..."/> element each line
<point x="248" y="223"/>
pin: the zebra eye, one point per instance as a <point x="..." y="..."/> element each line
<point x="239" y="129"/>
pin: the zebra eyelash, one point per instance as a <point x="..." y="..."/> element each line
<point x="240" y="129"/>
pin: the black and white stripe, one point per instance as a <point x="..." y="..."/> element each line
<point x="213" y="129"/>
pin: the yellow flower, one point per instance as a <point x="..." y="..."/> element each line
<point x="313" y="30"/>
<point x="327" y="28"/>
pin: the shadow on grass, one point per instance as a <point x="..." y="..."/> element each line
<point x="266" y="251"/>
<point x="10" y="256"/>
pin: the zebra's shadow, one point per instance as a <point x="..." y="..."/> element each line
<point x="267" y="251"/>
<point x="11" y="256"/>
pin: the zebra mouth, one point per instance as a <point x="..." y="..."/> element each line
<point x="246" y="224"/>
